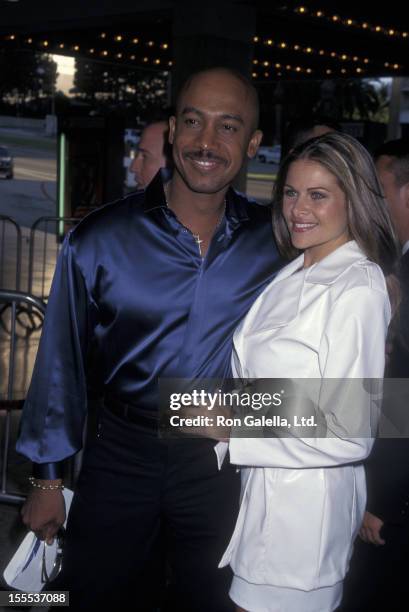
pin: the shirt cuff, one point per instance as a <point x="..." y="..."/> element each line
<point x="48" y="471"/>
<point x="221" y="449"/>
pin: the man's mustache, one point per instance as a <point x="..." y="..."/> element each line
<point x="204" y="154"/>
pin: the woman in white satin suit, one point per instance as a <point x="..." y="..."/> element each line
<point x="324" y="316"/>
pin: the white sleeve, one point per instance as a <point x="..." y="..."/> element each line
<point x="352" y="346"/>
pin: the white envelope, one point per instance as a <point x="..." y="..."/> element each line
<point x="25" y="570"/>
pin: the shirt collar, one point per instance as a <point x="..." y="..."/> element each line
<point x="154" y="194"/>
<point x="236" y="203"/>
<point x="326" y="271"/>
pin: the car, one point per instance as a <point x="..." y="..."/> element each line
<point x="6" y="163"/>
<point x="271" y="155"/>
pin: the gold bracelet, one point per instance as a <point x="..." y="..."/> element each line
<point x="50" y="487"/>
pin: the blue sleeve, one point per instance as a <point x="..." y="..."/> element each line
<point x="55" y="409"/>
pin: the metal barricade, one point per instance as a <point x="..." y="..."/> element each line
<point x="10" y="253"/>
<point x="44" y="248"/>
<point x="15" y="335"/>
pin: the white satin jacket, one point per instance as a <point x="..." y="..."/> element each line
<point x="303" y="499"/>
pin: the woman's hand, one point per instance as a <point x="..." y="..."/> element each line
<point x="371" y="529"/>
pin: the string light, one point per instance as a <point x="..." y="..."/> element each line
<point x="342" y="56"/>
<point x="266" y="63"/>
<point x="385" y="31"/>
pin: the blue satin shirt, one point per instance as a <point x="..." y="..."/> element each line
<point x="132" y="301"/>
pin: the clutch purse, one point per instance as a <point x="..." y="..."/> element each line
<point x="36" y="563"/>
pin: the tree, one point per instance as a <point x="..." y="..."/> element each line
<point x="354" y="99"/>
<point x="26" y="76"/>
<point x="109" y="85"/>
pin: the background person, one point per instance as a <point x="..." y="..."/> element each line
<point x="303" y="128"/>
<point x="153" y="152"/>
<point x="377" y="579"/>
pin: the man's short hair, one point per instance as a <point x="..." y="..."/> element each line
<point x="399" y="165"/>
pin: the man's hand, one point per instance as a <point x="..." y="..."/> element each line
<point x="44" y="511"/>
<point x="370" y="529"/>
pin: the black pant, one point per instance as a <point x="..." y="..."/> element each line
<point x="137" y="497"/>
<point x="378" y="577"/>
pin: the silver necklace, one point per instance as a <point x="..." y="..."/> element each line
<point x="196" y="237"/>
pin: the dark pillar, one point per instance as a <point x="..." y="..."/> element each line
<point x="212" y="34"/>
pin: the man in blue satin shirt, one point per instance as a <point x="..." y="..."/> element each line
<point x="150" y="286"/>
